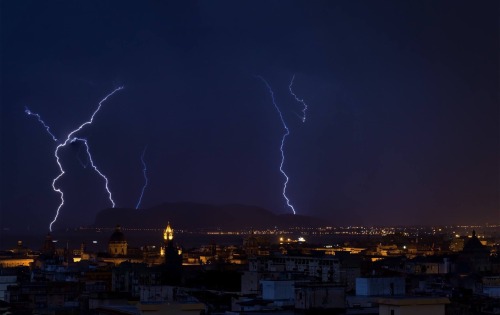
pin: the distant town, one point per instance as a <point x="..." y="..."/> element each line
<point x="331" y="270"/>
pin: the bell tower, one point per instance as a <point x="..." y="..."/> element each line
<point x="168" y="234"/>
<point x="172" y="266"/>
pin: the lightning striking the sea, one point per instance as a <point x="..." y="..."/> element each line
<point x="298" y="100"/>
<point x="70" y="138"/>
<point x="145" y="178"/>
<point x="30" y="113"/>
<point x="287" y="132"/>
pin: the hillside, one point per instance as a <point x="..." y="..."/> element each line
<point x="187" y="215"/>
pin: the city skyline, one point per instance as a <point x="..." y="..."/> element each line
<point x="402" y="108"/>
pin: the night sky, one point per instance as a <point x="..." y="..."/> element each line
<point x="402" y="125"/>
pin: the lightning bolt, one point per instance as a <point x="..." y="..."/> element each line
<point x="145" y="177"/>
<point x="95" y="167"/>
<point x="287" y="132"/>
<point x="70" y="139"/>
<point x="298" y="100"/>
<point x="30" y="113"/>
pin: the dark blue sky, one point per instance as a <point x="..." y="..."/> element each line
<point x="402" y="126"/>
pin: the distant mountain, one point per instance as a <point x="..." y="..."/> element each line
<point x="185" y="215"/>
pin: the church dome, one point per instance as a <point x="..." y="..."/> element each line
<point x="473" y="245"/>
<point x="117" y="236"/>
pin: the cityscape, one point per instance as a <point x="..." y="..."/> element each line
<point x="331" y="270"/>
<point x="275" y="157"/>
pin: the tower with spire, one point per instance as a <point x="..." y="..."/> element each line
<point x="168" y="234"/>
<point x="172" y="266"/>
